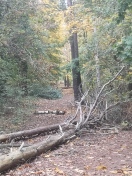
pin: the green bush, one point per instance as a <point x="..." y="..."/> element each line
<point x="47" y="92"/>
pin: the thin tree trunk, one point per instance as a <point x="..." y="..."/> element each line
<point x="23" y="71"/>
<point x="97" y="61"/>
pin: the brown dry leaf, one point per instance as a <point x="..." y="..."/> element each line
<point x="124" y="171"/>
<point x="58" y="171"/>
<point x="24" y="166"/>
<point x="87" y="167"/>
<point x="122" y="148"/>
<point x="27" y="165"/>
<point x="101" y="167"/>
<point x="120" y="171"/>
<point x="30" y="140"/>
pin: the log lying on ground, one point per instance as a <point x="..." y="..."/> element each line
<point x="27" y="133"/>
<point x="24" y="154"/>
<point x="56" y="112"/>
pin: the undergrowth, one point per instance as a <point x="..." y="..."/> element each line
<point x="47" y="92"/>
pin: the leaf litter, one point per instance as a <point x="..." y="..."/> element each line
<point x="87" y="155"/>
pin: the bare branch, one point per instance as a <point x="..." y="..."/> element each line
<point x="20" y="148"/>
<point x="99" y="94"/>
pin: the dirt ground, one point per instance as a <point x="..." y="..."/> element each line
<point x="92" y="153"/>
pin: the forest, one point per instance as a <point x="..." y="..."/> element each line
<point x="66" y="87"/>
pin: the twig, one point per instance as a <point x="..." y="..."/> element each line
<point x="20" y="148"/>
<point x="79" y="105"/>
<point x="62" y="133"/>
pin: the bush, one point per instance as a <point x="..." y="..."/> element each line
<point x="47" y="92"/>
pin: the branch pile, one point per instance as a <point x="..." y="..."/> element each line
<point x="95" y="108"/>
<point x="86" y="114"/>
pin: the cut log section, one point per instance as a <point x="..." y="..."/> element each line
<point x="56" y="112"/>
<point x="22" y="155"/>
<point x="27" y="133"/>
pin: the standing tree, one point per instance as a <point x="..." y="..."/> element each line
<point x="77" y="87"/>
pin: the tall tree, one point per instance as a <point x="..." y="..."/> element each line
<point x="77" y="87"/>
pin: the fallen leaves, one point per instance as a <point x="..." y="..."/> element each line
<point x="101" y="167"/>
<point x="124" y="171"/>
<point x="87" y="167"/>
<point x="37" y="172"/>
<point x="58" y="171"/>
<point x="89" y="155"/>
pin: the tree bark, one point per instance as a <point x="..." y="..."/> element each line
<point x="20" y="156"/>
<point x="77" y="87"/>
<point x="27" y="133"/>
<point x="23" y="67"/>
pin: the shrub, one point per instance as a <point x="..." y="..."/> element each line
<point x="46" y="92"/>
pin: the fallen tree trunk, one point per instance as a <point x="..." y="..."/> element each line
<point x="22" y="155"/>
<point x="27" y="133"/>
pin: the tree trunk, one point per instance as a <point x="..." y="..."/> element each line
<point x="96" y="56"/>
<point x="130" y="90"/>
<point x="77" y="87"/>
<point x="27" y="133"/>
<point x="68" y="82"/>
<point x="24" y="154"/>
<point x="24" y="70"/>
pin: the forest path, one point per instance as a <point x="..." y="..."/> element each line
<point x="88" y="155"/>
<point x="63" y="104"/>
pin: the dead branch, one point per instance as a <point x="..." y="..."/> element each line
<point x="78" y="107"/>
<point x="99" y="94"/>
<point x="88" y="116"/>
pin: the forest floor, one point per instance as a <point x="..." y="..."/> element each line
<point x="92" y="153"/>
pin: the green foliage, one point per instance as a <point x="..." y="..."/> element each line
<point x="2" y="85"/>
<point x="62" y="4"/>
<point x="29" y="46"/>
<point x="123" y="7"/>
<point x="46" y="92"/>
<point x="124" y="49"/>
<point x="73" y="64"/>
<point x="105" y="48"/>
<point x="3" y="81"/>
